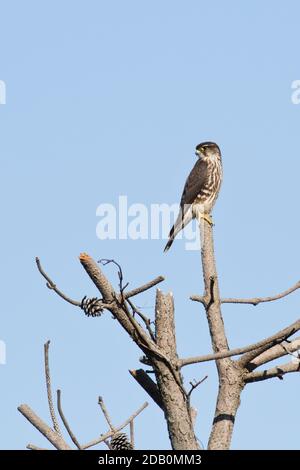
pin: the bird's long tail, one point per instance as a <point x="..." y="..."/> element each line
<point x="182" y="220"/>
<point x="169" y="244"/>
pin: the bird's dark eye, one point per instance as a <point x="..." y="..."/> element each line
<point x="202" y="149"/>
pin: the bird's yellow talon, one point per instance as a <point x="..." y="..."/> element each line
<point x="208" y="219"/>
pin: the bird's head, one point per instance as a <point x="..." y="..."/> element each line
<point x="208" y="151"/>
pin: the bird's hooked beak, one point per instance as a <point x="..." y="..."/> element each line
<point x="198" y="153"/>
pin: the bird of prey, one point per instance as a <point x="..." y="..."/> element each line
<point x="201" y="188"/>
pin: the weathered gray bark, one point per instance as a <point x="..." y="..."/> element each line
<point x="52" y="436"/>
<point x="176" y="406"/>
<point x="231" y="380"/>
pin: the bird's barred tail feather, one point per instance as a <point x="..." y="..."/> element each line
<point x="171" y="236"/>
<point x="181" y="222"/>
<point x="169" y="244"/>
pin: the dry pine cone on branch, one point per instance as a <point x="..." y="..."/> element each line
<point x="119" y="441"/>
<point x="92" y="307"/>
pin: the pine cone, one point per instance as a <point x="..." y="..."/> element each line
<point x="92" y="307"/>
<point x="120" y="441"/>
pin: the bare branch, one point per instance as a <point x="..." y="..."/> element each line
<point x="97" y="277"/>
<point x="253" y="300"/>
<point x="64" y="420"/>
<point x="275" y="352"/>
<point x="265" y="344"/>
<point x="139" y="290"/>
<point x="258" y="300"/>
<point x="49" y="389"/>
<point x="123" y="297"/>
<point x="108" y="434"/>
<point x="148" y="385"/>
<point x="106" y="414"/>
<point x="145" y="319"/>
<point x="119" y="309"/>
<point x="33" y="447"/>
<point x="50" y="284"/>
<point x="52" y="436"/>
<point x="277" y="371"/>
<point x="215" y="357"/>
<point x="254" y="349"/>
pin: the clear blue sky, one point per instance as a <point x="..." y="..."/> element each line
<point x="110" y="97"/>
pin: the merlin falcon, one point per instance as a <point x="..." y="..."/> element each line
<point x="201" y="189"/>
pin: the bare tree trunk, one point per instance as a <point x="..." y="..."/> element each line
<point x="174" y="397"/>
<point x="231" y="384"/>
<point x="231" y="380"/>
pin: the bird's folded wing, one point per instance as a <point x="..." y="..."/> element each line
<point x="193" y="184"/>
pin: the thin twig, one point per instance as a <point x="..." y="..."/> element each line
<point x="49" y="389"/>
<point x="195" y="384"/>
<point x="104" y="262"/>
<point x="50" y="284"/>
<point x="108" y="434"/>
<point x="251" y="301"/>
<point x="268" y="342"/>
<point x="143" y="288"/>
<point x="145" y="319"/>
<point x="106" y="414"/>
<point x="64" y="420"/>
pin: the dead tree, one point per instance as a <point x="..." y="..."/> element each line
<point x="157" y="341"/>
<point x="113" y="438"/>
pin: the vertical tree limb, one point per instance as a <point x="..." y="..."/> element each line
<point x="49" y="390"/>
<point x="106" y="414"/>
<point x="64" y="420"/>
<point x="176" y="406"/>
<point x="231" y="380"/>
